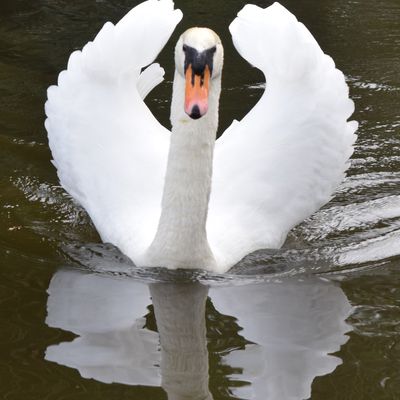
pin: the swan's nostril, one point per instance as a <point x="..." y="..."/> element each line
<point x="195" y="114"/>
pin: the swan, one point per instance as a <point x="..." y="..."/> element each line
<point x="183" y="199"/>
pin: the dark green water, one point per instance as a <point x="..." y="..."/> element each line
<point x="318" y="319"/>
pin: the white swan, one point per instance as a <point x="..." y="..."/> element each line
<point x="148" y="191"/>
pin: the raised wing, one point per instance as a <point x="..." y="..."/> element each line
<point x="284" y="160"/>
<point x="109" y="150"/>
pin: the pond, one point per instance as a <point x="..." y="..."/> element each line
<point x="317" y="319"/>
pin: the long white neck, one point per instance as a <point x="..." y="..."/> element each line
<point x="181" y="239"/>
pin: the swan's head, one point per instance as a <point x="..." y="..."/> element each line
<point x="198" y="59"/>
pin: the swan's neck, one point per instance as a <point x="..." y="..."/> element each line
<point x="181" y="239"/>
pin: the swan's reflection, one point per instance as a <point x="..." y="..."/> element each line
<point x="294" y="326"/>
<point x="108" y="315"/>
<point x="287" y="330"/>
<point x="180" y="311"/>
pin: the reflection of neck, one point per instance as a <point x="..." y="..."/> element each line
<point x="181" y="239"/>
<point x="180" y="316"/>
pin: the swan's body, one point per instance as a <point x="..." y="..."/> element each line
<point x="174" y="200"/>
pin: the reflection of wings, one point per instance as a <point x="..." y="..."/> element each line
<point x="109" y="150"/>
<point x="286" y="157"/>
<point x="108" y="315"/>
<point x="294" y="327"/>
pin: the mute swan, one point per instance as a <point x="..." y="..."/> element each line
<point x="150" y="192"/>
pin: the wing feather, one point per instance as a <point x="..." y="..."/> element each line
<point x="284" y="160"/>
<point x="109" y="150"/>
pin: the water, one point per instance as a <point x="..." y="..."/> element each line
<point x="317" y="319"/>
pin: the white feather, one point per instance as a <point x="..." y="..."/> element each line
<point x="284" y="160"/>
<point x="109" y="150"/>
<point x="149" y="79"/>
<point x="271" y="170"/>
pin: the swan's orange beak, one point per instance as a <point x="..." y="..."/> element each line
<point x="196" y="92"/>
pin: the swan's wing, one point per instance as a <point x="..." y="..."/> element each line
<point x="109" y="150"/>
<point x="286" y="157"/>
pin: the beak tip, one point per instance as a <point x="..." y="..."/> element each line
<point x="195" y="113"/>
